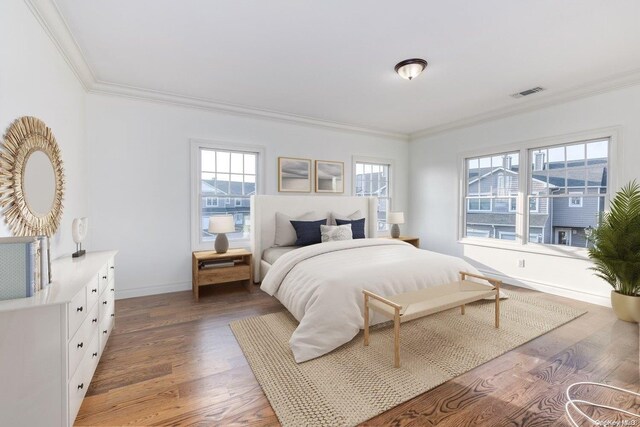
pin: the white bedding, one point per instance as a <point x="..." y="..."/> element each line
<point x="321" y="285"/>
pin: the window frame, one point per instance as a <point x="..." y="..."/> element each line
<point x="391" y="184"/>
<point x="522" y="243"/>
<point x="195" y="147"/>
<point x="579" y="197"/>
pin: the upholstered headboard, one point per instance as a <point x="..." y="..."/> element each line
<point x="264" y="208"/>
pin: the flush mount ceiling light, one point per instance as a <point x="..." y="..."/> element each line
<point x="410" y="68"/>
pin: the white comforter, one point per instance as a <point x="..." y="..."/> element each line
<point x="321" y="285"/>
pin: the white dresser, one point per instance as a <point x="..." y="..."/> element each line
<point x="50" y="344"/>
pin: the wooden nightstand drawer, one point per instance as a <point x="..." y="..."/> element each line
<point x="214" y="276"/>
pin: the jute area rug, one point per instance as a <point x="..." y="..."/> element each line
<point x="354" y="383"/>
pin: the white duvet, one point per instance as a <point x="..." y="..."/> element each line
<point x="321" y="285"/>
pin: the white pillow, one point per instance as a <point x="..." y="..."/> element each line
<point x="356" y="215"/>
<point x="285" y="233"/>
<point x="333" y="233"/>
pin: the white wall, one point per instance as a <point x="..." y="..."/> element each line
<point x="434" y="184"/>
<point x="36" y="81"/>
<point x="139" y="178"/>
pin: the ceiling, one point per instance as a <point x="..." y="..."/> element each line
<point x="332" y="61"/>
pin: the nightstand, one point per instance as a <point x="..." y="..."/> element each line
<point x="415" y="241"/>
<point x="211" y="268"/>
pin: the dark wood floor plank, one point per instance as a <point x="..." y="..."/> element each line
<point x="172" y="361"/>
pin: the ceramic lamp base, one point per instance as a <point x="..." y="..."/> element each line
<point x="395" y="231"/>
<point x="222" y="243"/>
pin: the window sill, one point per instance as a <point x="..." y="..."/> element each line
<point x="535" y="248"/>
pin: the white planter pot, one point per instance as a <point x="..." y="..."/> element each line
<point x="626" y="307"/>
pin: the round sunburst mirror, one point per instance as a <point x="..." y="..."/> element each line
<point x="31" y="178"/>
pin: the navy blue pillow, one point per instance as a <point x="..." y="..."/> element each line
<point x="357" y="226"/>
<point x="308" y="232"/>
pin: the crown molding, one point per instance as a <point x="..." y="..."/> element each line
<point x="592" y="88"/>
<point x="125" y="91"/>
<point x="50" y="19"/>
<point x="53" y="23"/>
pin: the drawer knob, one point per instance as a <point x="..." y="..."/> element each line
<point x="94" y="320"/>
<point x="104" y="332"/>
<point x="80" y="345"/>
<point x="104" y="277"/>
<point x="113" y="315"/>
<point x="79" y="309"/>
<point x="95" y="354"/>
<point x="94" y="290"/>
<point x="113" y="290"/>
<point x="112" y="267"/>
<point x="104" y="302"/>
<point x="81" y="386"/>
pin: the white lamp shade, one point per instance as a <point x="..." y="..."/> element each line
<point x="221" y="224"/>
<point x="395" y="218"/>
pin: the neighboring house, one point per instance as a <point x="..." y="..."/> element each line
<point x="223" y="197"/>
<point x="491" y="204"/>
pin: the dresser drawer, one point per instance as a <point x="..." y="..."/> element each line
<point x="111" y="269"/>
<point x="78" y="385"/>
<point x="93" y="292"/>
<point x="80" y="341"/>
<point x="77" y="311"/>
<point x="103" y="277"/>
<point x="106" y="301"/>
<point x="106" y="325"/>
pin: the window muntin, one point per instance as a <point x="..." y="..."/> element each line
<point x="491" y="190"/>
<point x="230" y="178"/>
<point x="373" y="180"/>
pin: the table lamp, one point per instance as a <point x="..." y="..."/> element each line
<point x="395" y="218"/>
<point x="220" y="225"/>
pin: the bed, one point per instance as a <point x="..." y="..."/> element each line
<point x="321" y="285"/>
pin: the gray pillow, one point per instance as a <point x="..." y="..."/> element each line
<point x="285" y="233"/>
<point x="333" y="233"/>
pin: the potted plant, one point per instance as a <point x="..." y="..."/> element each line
<point x="616" y="251"/>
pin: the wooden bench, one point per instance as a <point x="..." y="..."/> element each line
<point x="413" y="305"/>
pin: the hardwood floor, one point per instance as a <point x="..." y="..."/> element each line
<point x="172" y="361"/>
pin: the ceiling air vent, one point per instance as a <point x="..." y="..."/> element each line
<point x="527" y="92"/>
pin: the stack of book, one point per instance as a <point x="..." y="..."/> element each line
<point x="23" y="266"/>
<point x="202" y="265"/>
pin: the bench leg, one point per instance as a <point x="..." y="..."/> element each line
<point x="366" y="319"/>
<point x="498" y="308"/>
<point x="396" y="341"/>
<point x="462" y="309"/>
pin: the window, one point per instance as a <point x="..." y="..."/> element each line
<point x="564" y="188"/>
<point x="575" y="201"/>
<point x="491" y="190"/>
<point x="479" y="204"/>
<point x="373" y="179"/>
<point x="224" y="178"/>
<point x="569" y="184"/>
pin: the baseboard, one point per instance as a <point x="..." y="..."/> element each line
<point x="552" y="289"/>
<point x="152" y="290"/>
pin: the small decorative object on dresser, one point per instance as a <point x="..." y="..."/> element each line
<point x="294" y="175"/>
<point x="211" y="268"/>
<point x="395" y="218"/>
<point x="221" y="225"/>
<point x="329" y="177"/>
<point x="79" y="230"/>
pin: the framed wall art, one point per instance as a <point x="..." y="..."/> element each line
<point x="329" y="177"/>
<point x="294" y="175"/>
